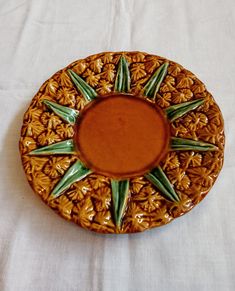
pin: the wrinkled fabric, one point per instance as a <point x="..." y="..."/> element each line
<point x="41" y="251"/>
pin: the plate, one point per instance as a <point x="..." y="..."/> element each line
<point x="122" y="142"/>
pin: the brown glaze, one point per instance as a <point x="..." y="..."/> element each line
<point x="88" y="202"/>
<point x="122" y="136"/>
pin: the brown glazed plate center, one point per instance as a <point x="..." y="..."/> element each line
<point x="122" y="135"/>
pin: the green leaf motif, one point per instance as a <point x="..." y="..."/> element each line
<point x="67" y="114"/>
<point x="159" y="179"/>
<point x="176" y="111"/>
<point x="59" y="148"/>
<point x="86" y="90"/>
<point x="154" y="83"/>
<point x="120" y="192"/>
<point x="122" y="82"/>
<point x="183" y="144"/>
<point x="74" y="174"/>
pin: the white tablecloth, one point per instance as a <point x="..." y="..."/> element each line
<point x="41" y="251"/>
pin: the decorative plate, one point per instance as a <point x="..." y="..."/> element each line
<point x="122" y="142"/>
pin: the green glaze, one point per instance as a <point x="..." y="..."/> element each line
<point x="74" y="174"/>
<point x="176" y="111"/>
<point x="86" y="90"/>
<point x="59" y="148"/>
<point x="120" y="192"/>
<point x="159" y="179"/>
<point x="182" y="144"/>
<point x="67" y="114"/>
<point x="122" y="82"/>
<point x="154" y="83"/>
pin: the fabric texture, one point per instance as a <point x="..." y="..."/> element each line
<point x="41" y="251"/>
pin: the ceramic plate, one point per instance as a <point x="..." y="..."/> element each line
<point x="121" y="142"/>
